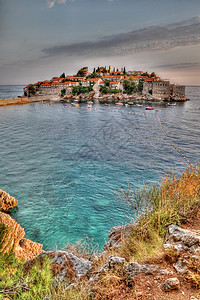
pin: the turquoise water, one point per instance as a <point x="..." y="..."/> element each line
<point x="63" y="164"/>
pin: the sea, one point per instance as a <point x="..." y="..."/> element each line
<point x="68" y="167"/>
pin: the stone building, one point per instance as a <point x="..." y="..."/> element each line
<point x="161" y="89"/>
<point x="178" y="92"/>
<point x="164" y="90"/>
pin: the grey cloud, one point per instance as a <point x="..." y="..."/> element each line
<point x="191" y="65"/>
<point x="158" y="37"/>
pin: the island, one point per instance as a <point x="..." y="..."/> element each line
<point x="106" y="85"/>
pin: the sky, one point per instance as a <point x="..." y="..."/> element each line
<point x="43" y="38"/>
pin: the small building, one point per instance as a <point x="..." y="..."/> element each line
<point x="74" y="78"/>
<point x="113" y="77"/>
<point x="114" y="85"/>
<point x="85" y="83"/>
<point x="94" y="81"/>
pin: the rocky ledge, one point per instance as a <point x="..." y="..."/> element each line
<point x="12" y="237"/>
<point x="6" y="201"/>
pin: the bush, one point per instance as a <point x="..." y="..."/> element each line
<point x="32" y="90"/>
<point x="77" y="90"/>
<point x="19" y="282"/>
<point x="63" y="92"/>
<point x="108" y="90"/>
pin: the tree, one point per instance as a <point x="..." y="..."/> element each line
<point x="107" y="82"/>
<point x="32" y="90"/>
<point x="94" y="71"/>
<point x="63" y="92"/>
<point x="140" y="85"/>
<point x="62" y="75"/>
<point x="124" y="70"/>
<point x="153" y="74"/>
<point x="82" y="71"/>
<point x="146" y="74"/>
<point x="129" y="87"/>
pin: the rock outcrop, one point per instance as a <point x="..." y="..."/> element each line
<point x="13" y="239"/>
<point x="182" y="239"/>
<point x="6" y="201"/>
<point x="67" y="268"/>
<point x="116" y="235"/>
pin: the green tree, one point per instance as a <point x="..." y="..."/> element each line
<point x="82" y="71"/>
<point x="63" y="92"/>
<point x="32" y="90"/>
<point x="153" y="74"/>
<point x="140" y="85"/>
<point x="129" y="87"/>
<point x="107" y="82"/>
<point x="108" y="90"/>
<point x="77" y="90"/>
<point x="124" y="71"/>
<point x="62" y="75"/>
<point x="146" y="74"/>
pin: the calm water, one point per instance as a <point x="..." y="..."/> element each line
<point x="63" y="165"/>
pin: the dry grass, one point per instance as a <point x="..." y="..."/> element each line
<point x="156" y="207"/>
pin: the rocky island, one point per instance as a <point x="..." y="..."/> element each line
<point x="106" y="85"/>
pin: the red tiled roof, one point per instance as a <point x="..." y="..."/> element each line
<point x="114" y="82"/>
<point x="27" y="86"/>
<point x="93" y="79"/>
<point x="149" y="79"/>
<point x="74" y="77"/>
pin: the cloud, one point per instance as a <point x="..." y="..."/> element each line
<point x="192" y="65"/>
<point x="160" y="37"/>
<point x="51" y="3"/>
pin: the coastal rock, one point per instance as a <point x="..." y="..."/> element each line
<point x="6" y="201"/>
<point x="71" y="263"/>
<point x="116" y="234"/>
<point x="13" y="239"/>
<point x="135" y="268"/>
<point x="182" y="239"/>
<point x="170" y="284"/>
<point x="115" y="262"/>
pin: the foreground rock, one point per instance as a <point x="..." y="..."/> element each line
<point x="170" y="284"/>
<point x="13" y="239"/>
<point x="182" y="239"/>
<point x="6" y="201"/>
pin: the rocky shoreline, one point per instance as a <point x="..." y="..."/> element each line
<point x="171" y="275"/>
<point x="114" y="98"/>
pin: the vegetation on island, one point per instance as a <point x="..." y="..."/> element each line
<point x="32" y="89"/>
<point x="63" y="92"/>
<point x="77" y="90"/>
<point x="130" y="86"/>
<point x="109" y="90"/>
<point x="154" y="207"/>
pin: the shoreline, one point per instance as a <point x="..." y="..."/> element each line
<point x="110" y="99"/>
